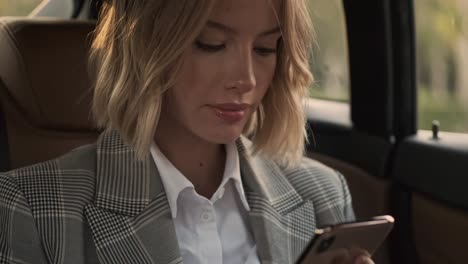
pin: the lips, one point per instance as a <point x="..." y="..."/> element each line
<point x="231" y="107"/>
<point x="231" y="112"/>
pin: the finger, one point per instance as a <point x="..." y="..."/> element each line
<point x="357" y="252"/>
<point x="363" y="259"/>
<point x="342" y="258"/>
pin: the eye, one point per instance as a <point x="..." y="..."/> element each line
<point x="263" y="51"/>
<point x="208" y="47"/>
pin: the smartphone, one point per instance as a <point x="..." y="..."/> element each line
<point x="332" y="241"/>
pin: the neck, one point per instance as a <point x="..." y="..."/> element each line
<point x="201" y="162"/>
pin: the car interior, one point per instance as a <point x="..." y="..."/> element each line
<point x="419" y="177"/>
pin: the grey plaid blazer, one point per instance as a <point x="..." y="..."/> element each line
<point x="99" y="204"/>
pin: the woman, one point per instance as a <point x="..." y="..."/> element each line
<point x="180" y="85"/>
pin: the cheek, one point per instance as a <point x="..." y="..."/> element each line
<point x="198" y="76"/>
<point x="265" y="73"/>
<point x="192" y="82"/>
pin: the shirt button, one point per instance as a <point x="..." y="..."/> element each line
<point x="206" y="216"/>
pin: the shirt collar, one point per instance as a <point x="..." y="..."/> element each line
<point x="175" y="182"/>
<point x="232" y="171"/>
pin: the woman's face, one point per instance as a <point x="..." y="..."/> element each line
<point x="226" y="72"/>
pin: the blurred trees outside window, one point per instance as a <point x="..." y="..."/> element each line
<point x="329" y="60"/>
<point x="441" y="54"/>
<point x="17" y="7"/>
<point x="442" y="63"/>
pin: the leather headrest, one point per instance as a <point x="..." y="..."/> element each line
<point x="43" y="64"/>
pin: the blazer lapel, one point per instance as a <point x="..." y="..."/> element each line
<point x="131" y="222"/>
<point x="130" y="219"/>
<point x="282" y="223"/>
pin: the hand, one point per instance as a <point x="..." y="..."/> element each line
<point x="353" y="256"/>
<point x="340" y="256"/>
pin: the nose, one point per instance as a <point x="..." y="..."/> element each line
<point x="242" y="72"/>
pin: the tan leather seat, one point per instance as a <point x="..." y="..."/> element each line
<point x="45" y="92"/>
<point x="439" y="230"/>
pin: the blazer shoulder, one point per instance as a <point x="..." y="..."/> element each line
<point x="79" y="160"/>
<point x="311" y="176"/>
<point x="45" y="184"/>
<point x="10" y="194"/>
<point x="324" y="186"/>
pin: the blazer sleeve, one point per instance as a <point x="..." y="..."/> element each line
<point x="348" y="211"/>
<point x="326" y="188"/>
<point x="19" y="238"/>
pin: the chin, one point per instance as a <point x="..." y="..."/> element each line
<point x="224" y="137"/>
<point x="224" y="140"/>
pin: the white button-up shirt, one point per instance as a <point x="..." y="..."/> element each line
<point x="209" y="231"/>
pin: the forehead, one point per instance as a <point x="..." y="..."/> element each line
<point x="247" y="14"/>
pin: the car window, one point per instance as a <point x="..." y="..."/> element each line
<point x="17" y="7"/>
<point x="442" y="63"/>
<point x="329" y="61"/>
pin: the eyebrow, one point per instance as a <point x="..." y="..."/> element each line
<point x="222" y="27"/>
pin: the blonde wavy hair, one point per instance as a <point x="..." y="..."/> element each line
<point x="137" y="52"/>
